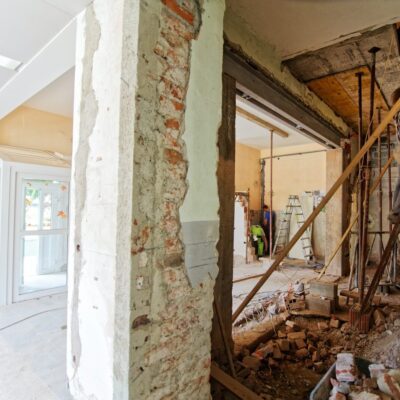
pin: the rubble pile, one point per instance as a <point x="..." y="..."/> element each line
<point x="377" y="383"/>
<point x="303" y="349"/>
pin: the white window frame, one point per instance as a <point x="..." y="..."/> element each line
<point x="11" y="172"/>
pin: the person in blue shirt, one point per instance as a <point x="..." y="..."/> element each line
<point x="267" y="220"/>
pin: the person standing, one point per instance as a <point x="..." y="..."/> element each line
<point x="268" y="218"/>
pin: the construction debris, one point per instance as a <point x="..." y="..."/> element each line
<point x="304" y="349"/>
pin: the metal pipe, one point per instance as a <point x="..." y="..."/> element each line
<point x="360" y="177"/>
<point x="247" y="225"/>
<point x="270" y="196"/>
<point x="293" y="154"/>
<point x="262" y="190"/>
<point x="364" y="248"/>
<point x="389" y="173"/>
<point x="380" y="193"/>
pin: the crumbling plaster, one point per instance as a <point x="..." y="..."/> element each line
<point x="101" y="198"/>
<point x="144" y="186"/>
<point x="240" y="36"/>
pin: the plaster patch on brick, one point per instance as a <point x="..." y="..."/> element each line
<point x="200" y="255"/>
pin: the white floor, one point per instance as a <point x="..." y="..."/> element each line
<point x="36" y="283"/>
<point x="33" y="349"/>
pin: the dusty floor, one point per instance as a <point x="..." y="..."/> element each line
<point x="279" y="280"/>
<point x="32" y="350"/>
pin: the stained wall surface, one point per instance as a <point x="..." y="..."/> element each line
<point x="247" y="173"/>
<point x="36" y="129"/>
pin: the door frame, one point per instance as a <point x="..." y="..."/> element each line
<point x="17" y="256"/>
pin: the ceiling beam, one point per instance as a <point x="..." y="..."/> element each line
<point x="268" y="92"/>
<point x="56" y="58"/>
<point x="259" y="121"/>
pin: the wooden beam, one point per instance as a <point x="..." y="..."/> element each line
<point x="354" y="162"/>
<point x="226" y="195"/>
<point x="259" y="121"/>
<point x="232" y="384"/>
<point x="263" y="88"/>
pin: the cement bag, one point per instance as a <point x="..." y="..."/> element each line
<point x="345" y="367"/>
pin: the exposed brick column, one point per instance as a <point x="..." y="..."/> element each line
<point x="138" y="326"/>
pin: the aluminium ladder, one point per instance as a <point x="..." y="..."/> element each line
<point x="282" y="237"/>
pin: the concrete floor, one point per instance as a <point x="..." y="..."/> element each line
<point x="33" y="350"/>
<point x="279" y="280"/>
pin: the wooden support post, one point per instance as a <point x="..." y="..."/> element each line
<point x="226" y="194"/>
<point x="225" y="339"/>
<point x="378" y="131"/>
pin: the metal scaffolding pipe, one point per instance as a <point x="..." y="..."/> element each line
<point x="270" y="196"/>
<point x="353" y="163"/>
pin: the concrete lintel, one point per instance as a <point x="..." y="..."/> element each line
<point x="267" y="91"/>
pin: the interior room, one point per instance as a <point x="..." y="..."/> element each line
<point x="199" y="199"/>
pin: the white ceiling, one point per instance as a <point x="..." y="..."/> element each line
<point x="253" y="135"/>
<point x="41" y="35"/>
<point x="298" y="26"/>
<point x="26" y="26"/>
<point x="58" y="97"/>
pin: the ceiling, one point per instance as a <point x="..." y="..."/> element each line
<point x="340" y="92"/>
<point x="26" y="26"/>
<point x="330" y="73"/>
<point x="294" y="27"/>
<point x="56" y="98"/>
<point x="253" y="135"/>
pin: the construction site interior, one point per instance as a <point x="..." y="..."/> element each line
<point x="199" y="199"/>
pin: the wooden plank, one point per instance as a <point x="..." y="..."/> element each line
<point x="346" y="173"/>
<point x="353" y="294"/>
<point x="340" y="92"/>
<point x="232" y="384"/>
<point x="259" y="121"/>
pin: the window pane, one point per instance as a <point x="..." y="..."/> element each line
<point x="32" y="207"/>
<point x="44" y="262"/>
<point x="46" y="204"/>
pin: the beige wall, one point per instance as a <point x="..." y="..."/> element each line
<point x="31" y="128"/>
<point x="247" y="173"/>
<point x="295" y="174"/>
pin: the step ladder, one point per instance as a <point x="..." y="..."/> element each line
<point x="282" y="237"/>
